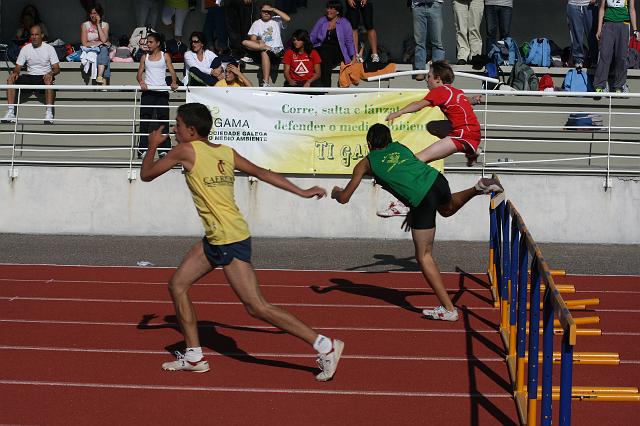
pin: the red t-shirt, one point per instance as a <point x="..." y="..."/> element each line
<point x="455" y="105"/>
<point x="301" y="64"/>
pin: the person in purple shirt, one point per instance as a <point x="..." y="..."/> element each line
<point x="333" y="38"/>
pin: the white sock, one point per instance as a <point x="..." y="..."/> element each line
<point x="50" y="109"/>
<point x="323" y="344"/>
<point x="12" y="109"/>
<point x="194" y="354"/>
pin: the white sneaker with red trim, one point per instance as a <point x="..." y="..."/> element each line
<point x="441" y="313"/>
<point x="395" y="208"/>
<point x="183" y="364"/>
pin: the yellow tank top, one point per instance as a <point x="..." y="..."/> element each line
<point x="211" y="183"/>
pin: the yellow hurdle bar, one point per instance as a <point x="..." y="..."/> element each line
<point x="579" y="332"/>
<point x="577" y="304"/>
<point x="585" y="358"/>
<point x="596" y="389"/>
<point x="579" y="321"/>
<point x="562" y="288"/>
<point x="599" y="397"/>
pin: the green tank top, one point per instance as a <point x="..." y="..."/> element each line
<point x="616" y="11"/>
<point x="401" y="173"/>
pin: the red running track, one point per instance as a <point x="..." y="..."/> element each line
<point x="83" y="345"/>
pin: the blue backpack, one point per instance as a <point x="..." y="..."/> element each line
<point x="576" y="81"/>
<point x="504" y="52"/>
<point x="539" y="53"/>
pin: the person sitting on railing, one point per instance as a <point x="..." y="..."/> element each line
<point x="233" y="77"/>
<point x="265" y="40"/>
<point x="333" y="37"/>
<point x="301" y="62"/>
<point x="202" y="67"/>
<point x="154" y="104"/>
<point x="42" y="66"/>
<point x="95" y="33"/>
<point x="405" y="175"/>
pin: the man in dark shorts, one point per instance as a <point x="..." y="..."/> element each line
<point x="42" y="66"/>
<point x="425" y="190"/>
<point x="362" y="11"/>
<point x="209" y="173"/>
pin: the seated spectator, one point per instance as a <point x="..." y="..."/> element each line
<point x="362" y="10"/>
<point x="613" y="33"/>
<point x="202" y="67"/>
<point x="28" y="18"/>
<point x="154" y="104"/>
<point x="233" y="77"/>
<point x="42" y="66"/>
<point x="95" y="33"/>
<point x="265" y="39"/>
<point x="174" y="13"/>
<point x="582" y="17"/>
<point x="301" y="62"/>
<point x="333" y="37"/>
<point x="123" y="52"/>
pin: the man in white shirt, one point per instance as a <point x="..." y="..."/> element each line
<point x="42" y="66"/>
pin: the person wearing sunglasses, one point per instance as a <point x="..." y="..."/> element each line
<point x="265" y="40"/>
<point x="202" y="67"/>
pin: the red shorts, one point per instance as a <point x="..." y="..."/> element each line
<point x="465" y="140"/>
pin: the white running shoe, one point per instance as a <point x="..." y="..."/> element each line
<point x="9" y="117"/>
<point x="48" y="117"/>
<point x="488" y="185"/>
<point x="328" y="363"/>
<point x="395" y="208"/>
<point x="246" y="59"/>
<point x="182" y="364"/>
<point x="375" y="58"/>
<point x="441" y="313"/>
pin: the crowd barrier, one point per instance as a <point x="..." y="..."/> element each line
<point x="519" y="275"/>
<point x="523" y="132"/>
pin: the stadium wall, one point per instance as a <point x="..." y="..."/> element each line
<point x="102" y="201"/>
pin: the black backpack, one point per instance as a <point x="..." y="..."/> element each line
<point x="522" y="77"/>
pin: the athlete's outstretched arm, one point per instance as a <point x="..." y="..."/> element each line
<point x="276" y="179"/>
<point x="344" y="195"/>
<point x="412" y="107"/>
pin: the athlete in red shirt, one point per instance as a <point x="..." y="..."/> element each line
<point x="465" y="128"/>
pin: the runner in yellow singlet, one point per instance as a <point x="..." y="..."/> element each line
<point x="209" y="172"/>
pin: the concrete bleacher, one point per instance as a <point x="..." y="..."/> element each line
<point x="505" y="144"/>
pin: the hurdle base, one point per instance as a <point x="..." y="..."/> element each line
<point x="521" y="406"/>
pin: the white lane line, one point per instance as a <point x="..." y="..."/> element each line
<point x="318" y="305"/>
<point x="262" y="327"/>
<point x="226" y="285"/>
<point x="247" y="355"/>
<point x="258" y="390"/>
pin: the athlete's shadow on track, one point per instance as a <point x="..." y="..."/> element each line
<point x="404" y="264"/>
<point x="211" y="338"/>
<point x="389" y="295"/>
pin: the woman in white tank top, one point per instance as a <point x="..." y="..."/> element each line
<point x="154" y="104"/>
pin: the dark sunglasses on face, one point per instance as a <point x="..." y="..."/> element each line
<point x="195" y="41"/>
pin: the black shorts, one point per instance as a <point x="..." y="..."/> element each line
<point x="224" y="254"/>
<point x="360" y="12"/>
<point x="424" y="215"/>
<point x="27" y="79"/>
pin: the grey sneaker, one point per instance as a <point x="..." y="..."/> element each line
<point x="9" y="117"/>
<point x="328" y="363"/>
<point x="182" y="364"/>
<point x="375" y="58"/>
<point x="441" y="313"/>
<point x="488" y="185"/>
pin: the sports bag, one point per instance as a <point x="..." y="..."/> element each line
<point x="576" y="81"/>
<point x="522" y="77"/>
<point x="539" y="53"/>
